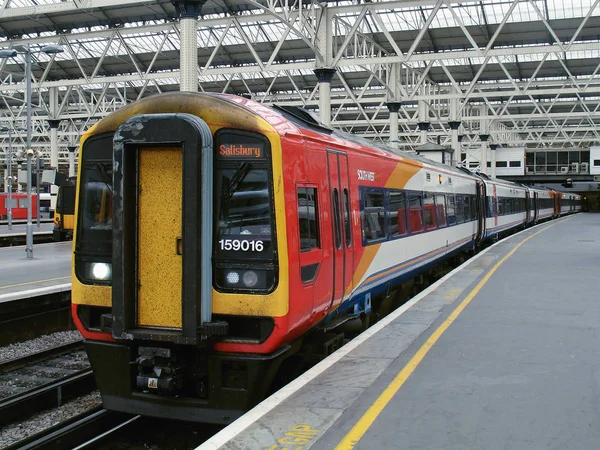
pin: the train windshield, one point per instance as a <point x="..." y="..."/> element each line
<point x="95" y="214"/>
<point x="244" y="213"/>
<point x="94" y="233"/>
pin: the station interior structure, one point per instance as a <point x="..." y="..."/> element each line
<point x="506" y="87"/>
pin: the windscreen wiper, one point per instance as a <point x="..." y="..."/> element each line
<point x="105" y="178"/>
<point x="235" y="181"/>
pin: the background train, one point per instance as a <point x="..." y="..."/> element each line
<point x="64" y="215"/>
<point x="19" y="205"/>
<point x="219" y="241"/>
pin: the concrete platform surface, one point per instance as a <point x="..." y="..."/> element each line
<point x="502" y="353"/>
<point x="20" y="229"/>
<point x="50" y="267"/>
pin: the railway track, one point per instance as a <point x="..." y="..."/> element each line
<point x="42" y="381"/>
<point x="81" y="431"/>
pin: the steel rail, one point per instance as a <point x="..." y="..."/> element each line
<point x="78" y="431"/>
<point x="50" y="395"/>
<point x="23" y="361"/>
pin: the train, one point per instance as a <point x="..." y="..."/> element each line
<point x="218" y="241"/>
<point x="19" y="205"/>
<point x="64" y="214"/>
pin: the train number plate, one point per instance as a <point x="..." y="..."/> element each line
<point x="153" y="383"/>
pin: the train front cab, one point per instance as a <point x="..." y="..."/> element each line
<point x="136" y="278"/>
<point x="64" y="215"/>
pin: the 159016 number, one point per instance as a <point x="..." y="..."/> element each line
<point x="244" y="246"/>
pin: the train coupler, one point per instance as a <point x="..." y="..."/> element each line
<point x="158" y="371"/>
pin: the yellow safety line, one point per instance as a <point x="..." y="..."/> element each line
<point x="365" y="422"/>
<point x="33" y="282"/>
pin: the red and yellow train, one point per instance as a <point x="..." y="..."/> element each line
<point x="214" y="234"/>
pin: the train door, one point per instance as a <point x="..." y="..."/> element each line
<point x="536" y="207"/>
<point x="481" y="211"/>
<point x="339" y="194"/>
<point x="527" y="207"/>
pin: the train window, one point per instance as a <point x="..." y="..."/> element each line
<point x="347" y="223"/>
<point x="336" y="219"/>
<point x="428" y="210"/>
<point x="473" y="199"/>
<point x="373" y="217"/>
<point x="440" y="209"/>
<point x="244" y="207"/>
<point x="466" y="208"/>
<point x="308" y="218"/>
<point x="397" y="213"/>
<point x="13" y="202"/>
<point x="415" y="213"/>
<point x="23" y="202"/>
<point x="459" y="208"/>
<point x="450" y="209"/>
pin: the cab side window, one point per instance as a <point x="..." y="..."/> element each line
<point x="308" y="218"/>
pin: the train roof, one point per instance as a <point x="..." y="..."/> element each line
<point x="306" y="120"/>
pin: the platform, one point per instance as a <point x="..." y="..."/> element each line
<point x="20" y="228"/>
<point x="48" y="271"/>
<point x="502" y="353"/>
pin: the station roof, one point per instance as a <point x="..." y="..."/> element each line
<point x="524" y="72"/>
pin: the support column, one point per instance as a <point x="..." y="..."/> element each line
<point x="54" y="149"/>
<point x="394" y="107"/>
<point x="484" y="127"/>
<point x="71" y="160"/>
<point x="325" y="76"/>
<point x="454" y="140"/>
<point x="454" y="124"/>
<point x="6" y="180"/>
<point x="493" y="148"/>
<point x="188" y="10"/>
<point x="423" y="120"/>
<point x="484" y="138"/>
<point x="423" y="127"/>
<point x="459" y="160"/>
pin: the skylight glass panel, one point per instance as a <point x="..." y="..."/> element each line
<point x="30" y="3"/>
<point x="445" y="19"/>
<point x="561" y="9"/>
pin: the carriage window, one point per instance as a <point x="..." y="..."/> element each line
<point x="13" y="202"/>
<point x="336" y="219"/>
<point x="459" y="208"/>
<point x="451" y="209"/>
<point x="397" y="213"/>
<point x="415" y="213"/>
<point x="347" y="224"/>
<point x="428" y="210"/>
<point x="473" y="200"/>
<point x="308" y="219"/>
<point x="440" y="209"/>
<point x="373" y="217"/>
<point x="466" y="208"/>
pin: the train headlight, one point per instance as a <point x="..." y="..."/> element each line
<point x="243" y="279"/>
<point x="100" y="271"/>
<point x="250" y="279"/>
<point x="232" y="278"/>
